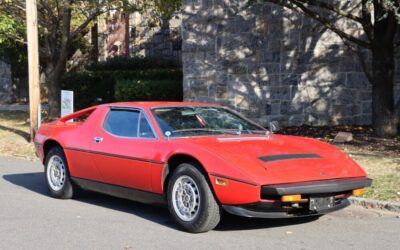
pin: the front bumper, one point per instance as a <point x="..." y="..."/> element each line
<point x="316" y="187"/>
<point x="275" y="211"/>
<point x="270" y="205"/>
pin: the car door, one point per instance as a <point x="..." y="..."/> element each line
<point x="77" y="142"/>
<point x="123" y="148"/>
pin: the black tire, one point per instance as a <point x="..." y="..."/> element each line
<point x="67" y="189"/>
<point x="208" y="212"/>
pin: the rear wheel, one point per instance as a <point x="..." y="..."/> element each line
<point x="191" y="201"/>
<point x="57" y="175"/>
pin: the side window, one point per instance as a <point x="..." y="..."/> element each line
<point x="122" y="122"/>
<point x="145" y="130"/>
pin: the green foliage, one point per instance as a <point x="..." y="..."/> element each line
<point x="12" y="49"/>
<point x="148" y="90"/>
<point x="166" y="8"/>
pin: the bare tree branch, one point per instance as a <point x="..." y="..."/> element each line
<point x="83" y="25"/>
<point x="326" y="5"/>
<point x="298" y="5"/>
<point x="366" y="20"/>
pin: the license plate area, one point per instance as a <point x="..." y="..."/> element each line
<point x="321" y="203"/>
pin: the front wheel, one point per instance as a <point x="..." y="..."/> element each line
<point x="191" y="201"/>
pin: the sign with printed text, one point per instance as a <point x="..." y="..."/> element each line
<point x="67" y="102"/>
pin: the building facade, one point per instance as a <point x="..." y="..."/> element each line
<point x="147" y="35"/>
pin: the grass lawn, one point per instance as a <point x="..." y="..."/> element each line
<point x="379" y="157"/>
<point x="14" y="135"/>
<point x="385" y="170"/>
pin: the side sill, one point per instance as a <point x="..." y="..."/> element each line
<point x="120" y="191"/>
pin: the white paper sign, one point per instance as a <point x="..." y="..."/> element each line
<point x="67" y="102"/>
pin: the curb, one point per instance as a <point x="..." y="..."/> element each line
<point x="383" y="205"/>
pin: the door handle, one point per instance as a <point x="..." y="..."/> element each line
<point x="97" y="139"/>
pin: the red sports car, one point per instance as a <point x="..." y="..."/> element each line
<point x="200" y="159"/>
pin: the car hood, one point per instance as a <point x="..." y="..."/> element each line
<point x="272" y="159"/>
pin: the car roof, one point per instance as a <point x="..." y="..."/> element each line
<point x="152" y="104"/>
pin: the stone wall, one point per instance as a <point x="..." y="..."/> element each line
<point x="5" y="83"/>
<point x="272" y="64"/>
<point x="155" y="38"/>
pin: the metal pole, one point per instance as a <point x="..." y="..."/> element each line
<point x="33" y="63"/>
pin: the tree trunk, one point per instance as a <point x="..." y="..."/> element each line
<point x="127" y="33"/>
<point x="54" y="87"/>
<point x="385" y="120"/>
<point x="53" y="78"/>
<point x="94" y="52"/>
<point x="56" y="66"/>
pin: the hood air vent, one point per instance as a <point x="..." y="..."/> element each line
<point x="281" y="157"/>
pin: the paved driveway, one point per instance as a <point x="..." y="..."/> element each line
<point x="30" y="219"/>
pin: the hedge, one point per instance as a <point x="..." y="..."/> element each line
<point x="94" y="87"/>
<point x="148" y="90"/>
<point x="90" y="88"/>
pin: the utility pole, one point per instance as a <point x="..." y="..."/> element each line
<point x="33" y="63"/>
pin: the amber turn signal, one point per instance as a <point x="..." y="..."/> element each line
<point x="291" y="198"/>
<point x="358" y="192"/>
<point x="221" y="182"/>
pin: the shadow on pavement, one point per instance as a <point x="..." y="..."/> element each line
<point x="19" y="132"/>
<point x="36" y="182"/>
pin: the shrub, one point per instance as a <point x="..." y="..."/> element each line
<point x="148" y="90"/>
<point x="90" y="88"/>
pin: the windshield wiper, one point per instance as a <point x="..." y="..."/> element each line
<point x="256" y="131"/>
<point x="224" y="131"/>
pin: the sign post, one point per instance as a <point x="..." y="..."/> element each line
<point x="67" y="102"/>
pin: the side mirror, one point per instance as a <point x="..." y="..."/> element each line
<point x="274" y="126"/>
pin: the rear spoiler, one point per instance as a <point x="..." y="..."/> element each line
<point x="75" y="115"/>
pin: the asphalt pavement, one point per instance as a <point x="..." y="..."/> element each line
<point x="30" y="219"/>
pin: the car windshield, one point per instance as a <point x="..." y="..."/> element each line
<point x="198" y="121"/>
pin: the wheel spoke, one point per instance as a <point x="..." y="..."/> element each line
<point x="186" y="200"/>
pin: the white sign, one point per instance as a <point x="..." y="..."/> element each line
<point x="67" y="102"/>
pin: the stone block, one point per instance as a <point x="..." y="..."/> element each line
<point x="363" y="120"/>
<point x="290" y="108"/>
<point x="366" y="107"/>
<point x="280" y="93"/>
<point x="273" y="108"/>
<point x="357" y="81"/>
<point x="290" y="80"/>
<point x="218" y="91"/>
<point x="295" y="120"/>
